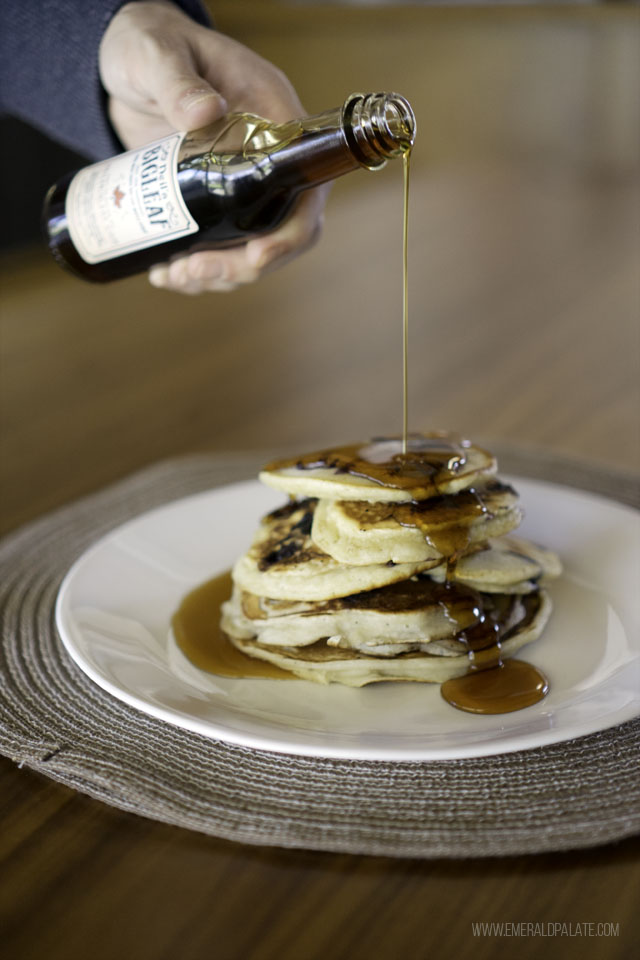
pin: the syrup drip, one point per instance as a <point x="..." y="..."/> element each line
<point x="492" y="685"/>
<point x="406" y="156"/>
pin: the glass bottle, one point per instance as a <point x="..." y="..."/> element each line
<point x="215" y="187"/>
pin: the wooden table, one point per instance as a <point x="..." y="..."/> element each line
<point x="523" y="294"/>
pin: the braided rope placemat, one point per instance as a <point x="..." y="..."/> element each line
<point x="53" y="719"/>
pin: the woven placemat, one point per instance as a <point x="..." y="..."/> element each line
<point x="53" y="719"/>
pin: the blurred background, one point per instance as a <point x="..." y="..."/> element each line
<point x="524" y="247"/>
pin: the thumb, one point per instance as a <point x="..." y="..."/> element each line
<point x="186" y="100"/>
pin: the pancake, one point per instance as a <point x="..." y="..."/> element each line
<point x="284" y="563"/>
<point x="359" y="532"/>
<point x="323" y="662"/>
<point x="434" y="464"/>
<point x="509" y="565"/>
<point x="416" y="610"/>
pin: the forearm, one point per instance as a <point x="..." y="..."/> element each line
<point x="49" y="64"/>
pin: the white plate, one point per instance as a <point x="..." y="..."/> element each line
<point x="115" y="605"/>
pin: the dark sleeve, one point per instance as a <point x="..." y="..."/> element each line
<point x="49" y="68"/>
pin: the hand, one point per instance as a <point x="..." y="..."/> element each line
<point x="164" y="72"/>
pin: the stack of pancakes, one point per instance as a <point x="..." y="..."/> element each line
<point x="387" y="565"/>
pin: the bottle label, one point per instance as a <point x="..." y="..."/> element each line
<point x="128" y="203"/>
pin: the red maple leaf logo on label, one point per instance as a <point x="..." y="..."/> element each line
<point x="118" y="195"/>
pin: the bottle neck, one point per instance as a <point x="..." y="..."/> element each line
<point x="377" y="126"/>
<point x="365" y="131"/>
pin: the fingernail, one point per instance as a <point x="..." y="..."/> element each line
<point x="191" y="100"/>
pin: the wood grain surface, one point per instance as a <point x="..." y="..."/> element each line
<point x="524" y="304"/>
